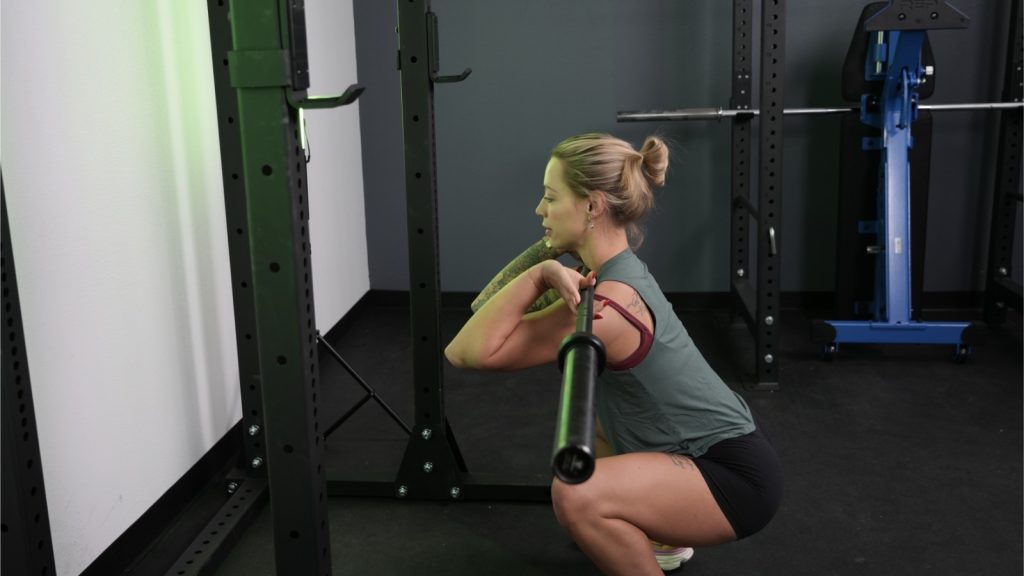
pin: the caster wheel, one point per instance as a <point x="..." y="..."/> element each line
<point x="963" y="353"/>
<point x="828" y="352"/>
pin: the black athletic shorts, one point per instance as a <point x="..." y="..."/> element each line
<point x="745" y="477"/>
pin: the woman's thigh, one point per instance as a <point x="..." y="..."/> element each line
<point x="664" y="495"/>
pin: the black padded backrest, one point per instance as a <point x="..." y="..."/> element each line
<point x="854" y="83"/>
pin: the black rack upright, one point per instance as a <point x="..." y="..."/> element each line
<point x="27" y="545"/>
<point x="432" y="466"/>
<point x="757" y="295"/>
<point x="1001" y="290"/>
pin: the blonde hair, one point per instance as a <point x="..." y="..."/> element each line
<point x="603" y="162"/>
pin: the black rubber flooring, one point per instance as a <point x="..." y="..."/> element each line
<point x="898" y="461"/>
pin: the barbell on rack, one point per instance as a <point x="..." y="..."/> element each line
<point x="693" y="114"/>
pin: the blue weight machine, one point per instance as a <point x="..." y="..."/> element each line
<point x="894" y="59"/>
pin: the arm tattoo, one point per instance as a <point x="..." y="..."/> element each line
<point x="682" y="461"/>
<point x="637" y="305"/>
<point x="546" y="299"/>
<point x="535" y="254"/>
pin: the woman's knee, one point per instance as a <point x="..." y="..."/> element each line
<point x="572" y="502"/>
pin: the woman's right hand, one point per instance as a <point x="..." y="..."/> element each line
<point x="566" y="281"/>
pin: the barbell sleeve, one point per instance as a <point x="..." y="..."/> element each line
<point x="581" y="358"/>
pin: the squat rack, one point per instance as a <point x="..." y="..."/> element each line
<point x="261" y="74"/>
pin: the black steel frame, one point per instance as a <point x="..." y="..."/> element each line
<point x="209" y="548"/>
<point x="1001" y="291"/>
<point x="371" y="394"/>
<point x="432" y="463"/>
<point x="233" y="178"/>
<point x="26" y="540"/>
<point x="266" y="67"/>
<point x="758" y="296"/>
<point x="261" y="75"/>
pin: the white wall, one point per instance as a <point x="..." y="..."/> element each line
<point x="112" y="174"/>
<point x="337" y="225"/>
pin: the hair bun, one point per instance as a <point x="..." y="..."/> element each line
<point x="655" y="154"/>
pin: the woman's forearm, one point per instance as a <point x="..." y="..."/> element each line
<point x="535" y="254"/>
<point x="489" y="328"/>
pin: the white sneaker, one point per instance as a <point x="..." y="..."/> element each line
<point x="670" y="557"/>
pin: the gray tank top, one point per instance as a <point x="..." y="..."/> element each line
<point x="672" y="401"/>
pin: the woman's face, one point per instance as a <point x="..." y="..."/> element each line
<point x="563" y="214"/>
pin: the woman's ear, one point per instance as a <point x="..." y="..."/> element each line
<point x="598" y="203"/>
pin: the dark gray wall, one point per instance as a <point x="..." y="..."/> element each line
<point x="547" y="69"/>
